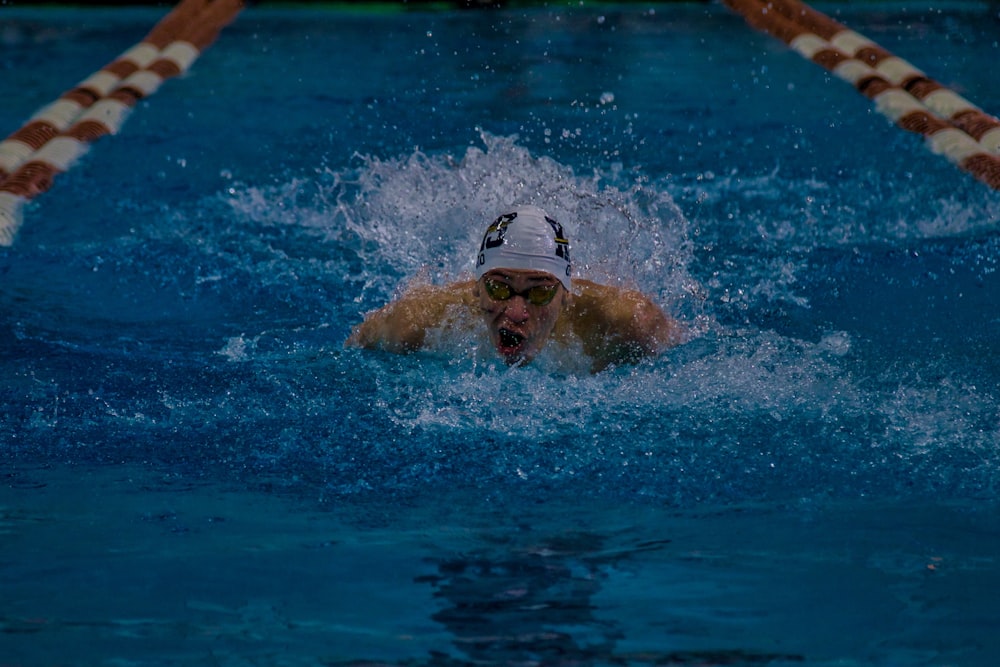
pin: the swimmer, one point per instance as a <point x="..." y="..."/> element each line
<point x="524" y="294"/>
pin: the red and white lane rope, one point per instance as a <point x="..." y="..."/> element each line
<point x="52" y="119"/>
<point x="57" y="135"/>
<point x="951" y="125"/>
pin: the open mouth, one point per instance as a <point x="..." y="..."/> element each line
<point x="510" y="341"/>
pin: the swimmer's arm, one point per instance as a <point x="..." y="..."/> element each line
<point x="621" y="325"/>
<point x="401" y="326"/>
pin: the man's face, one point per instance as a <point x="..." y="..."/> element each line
<point x="518" y="316"/>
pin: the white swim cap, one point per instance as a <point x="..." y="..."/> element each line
<point x="527" y="239"/>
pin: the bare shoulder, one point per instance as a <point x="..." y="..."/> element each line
<point x="619" y="325"/>
<point x="424" y="294"/>
<point x="593" y="293"/>
<point x="401" y="325"/>
<point x="611" y="304"/>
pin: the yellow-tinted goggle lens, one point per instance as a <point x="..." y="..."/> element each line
<point x="537" y="295"/>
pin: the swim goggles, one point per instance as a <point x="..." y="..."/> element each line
<point x="537" y="295"/>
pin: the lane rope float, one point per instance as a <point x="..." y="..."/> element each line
<point x="951" y="125"/>
<point x="53" y="118"/>
<point x="59" y="134"/>
<point x="951" y="106"/>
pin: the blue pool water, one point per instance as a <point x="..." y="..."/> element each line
<point x="196" y="472"/>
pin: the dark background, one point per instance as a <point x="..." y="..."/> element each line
<point x="468" y="4"/>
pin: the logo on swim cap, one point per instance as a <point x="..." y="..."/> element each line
<point x="526" y="239"/>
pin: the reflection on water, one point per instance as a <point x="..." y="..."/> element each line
<point x="528" y="605"/>
<point x="535" y="605"/>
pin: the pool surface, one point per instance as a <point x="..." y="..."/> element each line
<point x="195" y="470"/>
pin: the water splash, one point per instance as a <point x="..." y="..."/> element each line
<point x="740" y="411"/>
<point x="425" y="214"/>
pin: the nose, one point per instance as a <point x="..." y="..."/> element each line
<point x="516" y="308"/>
